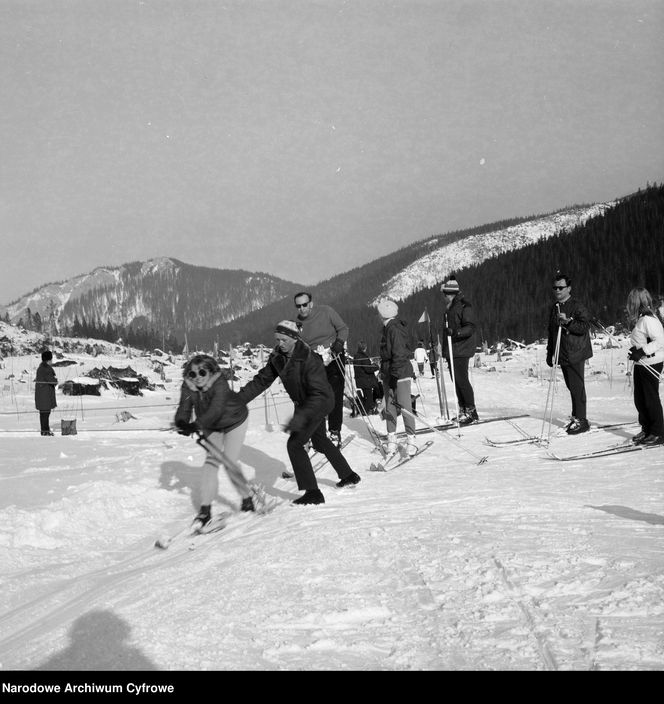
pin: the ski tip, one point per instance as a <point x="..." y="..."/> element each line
<point x="483" y="460"/>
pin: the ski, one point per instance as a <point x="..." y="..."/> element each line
<point x="451" y="425"/>
<point x="517" y="441"/>
<point x="193" y="529"/>
<point x="386" y="467"/>
<point x="606" y="452"/>
<point x="323" y="461"/>
<point x="219" y="521"/>
<point x="541" y="441"/>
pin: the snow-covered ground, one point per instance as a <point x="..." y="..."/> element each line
<point x="521" y="562"/>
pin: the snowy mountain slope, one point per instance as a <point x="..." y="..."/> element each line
<point x="520" y="563"/>
<point x="169" y="294"/>
<point x="438" y="263"/>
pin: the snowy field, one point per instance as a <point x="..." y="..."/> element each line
<point x="522" y="562"/>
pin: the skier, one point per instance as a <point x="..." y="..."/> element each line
<point x="302" y="374"/>
<point x="421" y="357"/>
<point x="459" y="330"/>
<point x="396" y="372"/>
<point x="647" y="353"/>
<point x="222" y="418"/>
<point x="322" y="328"/>
<point x="572" y="319"/>
<point x="365" y="378"/>
<point x="45" y="383"/>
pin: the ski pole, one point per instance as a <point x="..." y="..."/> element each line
<point x="437" y="375"/>
<point x="441" y="375"/>
<point x="549" y="393"/>
<point x="481" y="460"/>
<point x="451" y="362"/>
<point x="348" y="379"/>
<point x="268" y="424"/>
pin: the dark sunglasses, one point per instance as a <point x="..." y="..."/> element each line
<point x="559" y="288"/>
<point x="302" y="305"/>
<point x="201" y="372"/>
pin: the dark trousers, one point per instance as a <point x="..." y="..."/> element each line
<point x="573" y="376"/>
<point x="304" y="473"/>
<point x="43" y="421"/>
<point x="464" y="391"/>
<point x="367" y="398"/>
<point x="337" y="379"/>
<point x="646" y="399"/>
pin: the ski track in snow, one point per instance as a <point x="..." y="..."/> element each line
<point x="522" y="563"/>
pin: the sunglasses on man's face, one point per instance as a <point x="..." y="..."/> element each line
<point x="201" y="372"/>
<point x="559" y="288"/>
<point x="302" y="305"/>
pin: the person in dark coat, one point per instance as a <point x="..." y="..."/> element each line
<point x="45" y="383"/>
<point x="222" y="419"/>
<point x="569" y="322"/>
<point x="460" y="328"/>
<point x="365" y="378"/>
<point x="396" y="372"/>
<point x="303" y="375"/>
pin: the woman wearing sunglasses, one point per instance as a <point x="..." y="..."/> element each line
<point x="222" y="418"/>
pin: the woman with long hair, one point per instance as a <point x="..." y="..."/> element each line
<point x="647" y="353"/>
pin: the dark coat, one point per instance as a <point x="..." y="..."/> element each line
<point x="575" y="345"/>
<point x="218" y="408"/>
<point x="395" y="352"/>
<point x="45" y="383"/>
<point x="304" y="377"/>
<point x="365" y="371"/>
<point x="461" y="321"/>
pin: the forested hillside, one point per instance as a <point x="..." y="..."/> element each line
<point x="511" y="293"/>
<point x="352" y="290"/>
<point x="605" y="258"/>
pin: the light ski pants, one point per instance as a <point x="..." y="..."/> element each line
<point x="400" y="395"/>
<point x="230" y="444"/>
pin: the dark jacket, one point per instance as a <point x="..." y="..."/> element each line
<point x="218" y="408"/>
<point x="395" y="352"/>
<point x="575" y="343"/>
<point x="365" y="370"/>
<point x="304" y="378"/>
<point x="45" y="383"/>
<point x="461" y="321"/>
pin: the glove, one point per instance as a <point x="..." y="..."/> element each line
<point x="549" y="361"/>
<point x="337" y="346"/>
<point x="185" y="428"/>
<point x="449" y="332"/>
<point x="295" y="425"/>
<point x="635" y="354"/>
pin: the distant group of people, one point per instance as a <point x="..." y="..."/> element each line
<point x="309" y="358"/>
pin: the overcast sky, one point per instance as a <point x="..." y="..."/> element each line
<point x="304" y="138"/>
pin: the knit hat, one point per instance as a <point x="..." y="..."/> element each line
<point x="387" y="309"/>
<point x="450" y="286"/>
<point x="290" y="328"/>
